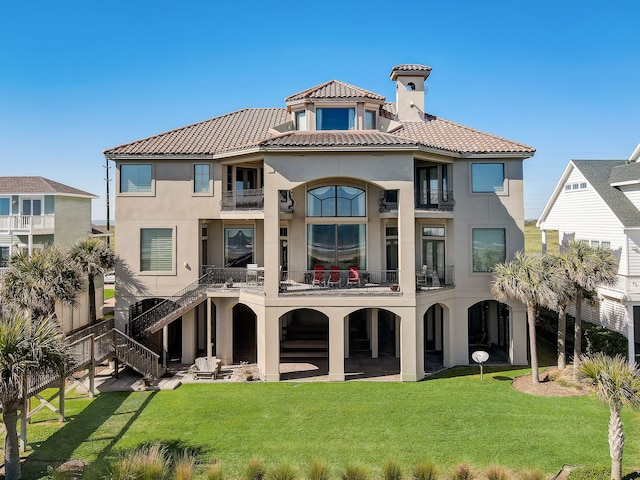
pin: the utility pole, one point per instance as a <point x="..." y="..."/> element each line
<point x="106" y="166"/>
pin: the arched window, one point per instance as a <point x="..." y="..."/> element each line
<point x="336" y="201"/>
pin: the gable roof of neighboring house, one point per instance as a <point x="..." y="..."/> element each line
<point x="253" y="129"/>
<point x="39" y="185"/>
<point x="601" y="174"/>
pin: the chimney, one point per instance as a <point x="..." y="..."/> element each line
<point x="410" y="91"/>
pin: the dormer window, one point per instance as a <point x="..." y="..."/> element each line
<point x="335" y="118"/>
<point x="301" y="120"/>
<point x="370" y="120"/>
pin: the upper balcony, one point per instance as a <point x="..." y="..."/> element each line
<point x="27" y="224"/>
<point x="252" y="199"/>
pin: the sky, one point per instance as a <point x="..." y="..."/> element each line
<point x="78" y="77"/>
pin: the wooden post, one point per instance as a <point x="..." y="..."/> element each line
<point x="62" y="395"/>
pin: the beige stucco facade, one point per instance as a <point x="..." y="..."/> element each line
<point x="422" y="318"/>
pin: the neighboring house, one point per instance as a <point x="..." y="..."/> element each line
<point x="598" y="201"/>
<point x="36" y="212"/>
<point x="347" y="225"/>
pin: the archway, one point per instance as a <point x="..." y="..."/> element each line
<point x="373" y="344"/>
<point x="304" y="344"/>
<point x="245" y="346"/>
<point x="488" y="323"/>
<point x="434" y="342"/>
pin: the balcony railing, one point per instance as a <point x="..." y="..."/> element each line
<point x="435" y="278"/>
<point x="434" y="199"/>
<point x="243" y="200"/>
<point x="339" y="281"/>
<point x="27" y="223"/>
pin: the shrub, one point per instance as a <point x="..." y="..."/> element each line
<point x="352" y="472"/>
<point x="283" y="472"/>
<point x="255" y="470"/>
<point x="590" y="473"/>
<point x="599" y="339"/>
<point x="531" y="475"/>
<point x="391" y="471"/>
<point x="424" y="471"/>
<point x="317" y="471"/>
<point x="463" y="472"/>
<point x="215" y="471"/>
<point x="495" y="472"/>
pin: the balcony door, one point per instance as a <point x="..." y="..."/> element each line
<point x="246" y="178"/>
<point x="428" y="191"/>
<point x="433" y="250"/>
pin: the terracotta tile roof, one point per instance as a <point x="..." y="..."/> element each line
<point x="231" y="131"/>
<point x="249" y="128"/>
<point x="39" y="185"/>
<point x="443" y="134"/>
<point x="336" y="138"/>
<point x="410" y="68"/>
<point x="334" y="89"/>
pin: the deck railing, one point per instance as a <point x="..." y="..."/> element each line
<point x="27" y="223"/>
<point x="339" y="281"/>
<point x="434" y="199"/>
<point x="435" y="278"/>
<point x="252" y="199"/>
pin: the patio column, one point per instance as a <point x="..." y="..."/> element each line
<point x="268" y="333"/>
<point x="337" y="348"/>
<point x="408" y="347"/>
<point x="544" y="241"/>
<point x="208" y="347"/>
<point x="518" y="330"/>
<point x="224" y="329"/>
<point x="631" y="335"/>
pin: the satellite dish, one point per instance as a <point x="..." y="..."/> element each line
<point x="480" y="356"/>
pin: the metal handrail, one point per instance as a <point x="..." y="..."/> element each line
<point x="243" y="199"/>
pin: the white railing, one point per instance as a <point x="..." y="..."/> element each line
<point x="627" y="284"/>
<point x="27" y="223"/>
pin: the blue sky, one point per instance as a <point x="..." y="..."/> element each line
<point x="77" y="77"/>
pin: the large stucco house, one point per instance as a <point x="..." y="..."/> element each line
<point x="336" y="226"/>
<point x="598" y="201"/>
<point x="36" y="212"/>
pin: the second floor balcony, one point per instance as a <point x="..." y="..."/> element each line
<point x="25" y="224"/>
<point x="251" y="199"/>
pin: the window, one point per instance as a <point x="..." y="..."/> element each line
<point x="567" y="187"/>
<point x="606" y="244"/>
<point x="335" y="118"/>
<point x="583" y="185"/>
<point x="201" y="178"/>
<point x="370" y="120"/>
<point x="156" y="249"/>
<point x="489" y="248"/>
<point x="575" y="186"/>
<point x="301" y="120"/>
<point x="5" y="206"/>
<point x="32" y="206"/>
<point x="135" y="178"/>
<point x="433" y="250"/>
<point x="391" y="249"/>
<point x="336" y="201"/>
<point x="341" y="245"/>
<point x="487" y="177"/>
<point x="5" y="253"/>
<point x="238" y="247"/>
<point x="595" y="243"/>
<point x="433" y="231"/>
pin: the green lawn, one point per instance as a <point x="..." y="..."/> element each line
<point x="446" y="421"/>
<point x="533" y="238"/>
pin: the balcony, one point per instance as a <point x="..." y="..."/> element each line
<point x="434" y="199"/>
<point x="243" y="199"/>
<point x="341" y="282"/>
<point x="27" y="224"/>
<point x="434" y="279"/>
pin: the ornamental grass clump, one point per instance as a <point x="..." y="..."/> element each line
<point x="255" y="470"/>
<point x="184" y="466"/>
<point x="424" y="471"/>
<point x="494" y="472"/>
<point x="463" y="472"/>
<point x="391" y="471"/>
<point x="283" y="471"/>
<point x="352" y="472"/>
<point x="148" y="462"/>
<point x="531" y="475"/>
<point x="317" y="471"/>
<point x="215" y="471"/>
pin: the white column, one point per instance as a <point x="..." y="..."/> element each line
<point x="337" y="349"/>
<point x="408" y="364"/>
<point x="631" y="334"/>
<point x="268" y="337"/>
<point x="207" y="341"/>
<point x="544" y="242"/>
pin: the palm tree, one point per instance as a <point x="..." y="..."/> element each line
<point x="587" y="268"/>
<point x="33" y="283"/>
<point x="617" y="385"/>
<point x="564" y="294"/>
<point x="525" y="279"/>
<point x="26" y="347"/>
<point x="93" y="257"/>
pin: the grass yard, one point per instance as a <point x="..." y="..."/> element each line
<point x="533" y="238"/>
<point x="446" y="421"/>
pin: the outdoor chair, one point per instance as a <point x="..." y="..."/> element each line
<point x="318" y="275"/>
<point x="252" y="274"/>
<point x="206" y="368"/>
<point x="334" y="276"/>
<point x="353" y="279"/>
